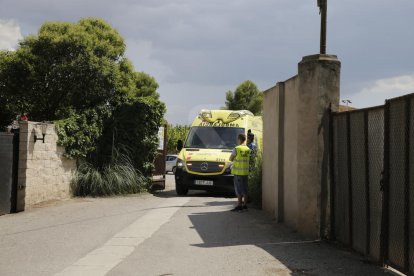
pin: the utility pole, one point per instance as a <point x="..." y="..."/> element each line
<point x="323" y="11"/>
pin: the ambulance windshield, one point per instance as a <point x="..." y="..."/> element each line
<point x="213" y="137"/>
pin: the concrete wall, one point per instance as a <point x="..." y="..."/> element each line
<point x="270" y="163"/>
<point x="296" y="144"/>
<point x="290" y="157"/>
<point x="44" y="173"/>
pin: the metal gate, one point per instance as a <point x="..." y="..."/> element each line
<point x="158" y="179"/>
<point x="373" y="182"/>
<point x="9" y="155"/>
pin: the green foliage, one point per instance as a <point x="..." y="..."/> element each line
<point x="175" y="133"/>
<point x="135" y="125"/>
<point x="65" y="66"/>
<point x="246" y="97"/>
<point x="255" y="181"/>
<point x="77" y="75"/>
<point x="119" y="177"/>
<point x="146" y="86"/>
<point x="12" y="82"/>
<point x="80" y="132"/>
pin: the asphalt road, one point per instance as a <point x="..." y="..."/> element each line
<point x="162" y="234"/>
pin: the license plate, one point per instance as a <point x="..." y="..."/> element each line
<point x="203" y="182"/>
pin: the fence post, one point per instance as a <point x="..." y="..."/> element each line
<point x="367" y="183"/>
<point x="385" y="187"/>
<point x="317" y="88"/>
<point x="407" y="189"/>
<point x="281" y="156"/>
<point x="348" y="134"/>
<point x="332" y="163"/>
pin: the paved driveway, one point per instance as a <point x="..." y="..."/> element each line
<point x="162" y="234"/>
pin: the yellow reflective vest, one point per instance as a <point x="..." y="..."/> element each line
<point x="241" y="161"/>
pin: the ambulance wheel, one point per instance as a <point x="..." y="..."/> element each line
<point x="180" y="190"/>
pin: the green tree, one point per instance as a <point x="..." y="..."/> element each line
<point x="8" y="74"/>
<point x="175" y="133"/>
<point x="145" y="85"/>
<point x="246" y="97"/>
<point x="76" y="74"/>
<point x="74" y="66"/>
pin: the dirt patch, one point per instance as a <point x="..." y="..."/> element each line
<point x="55" y="202"/>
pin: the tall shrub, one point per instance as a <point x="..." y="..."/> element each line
<point x="80" y="132"/>
<point x="134" y="127"/>
<point x="255" y="181"/>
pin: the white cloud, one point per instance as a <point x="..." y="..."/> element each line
<point x="9" y="34"/>
<point x="398" y="84"/>
<point x="376" y="92"/>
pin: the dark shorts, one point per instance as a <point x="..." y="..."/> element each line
<point x="240" y="185"/>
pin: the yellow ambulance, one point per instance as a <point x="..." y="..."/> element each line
<point x="203" y="162"/>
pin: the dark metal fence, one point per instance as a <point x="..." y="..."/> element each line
<point x="9" y="158"/>
<point x="373" y="182"/>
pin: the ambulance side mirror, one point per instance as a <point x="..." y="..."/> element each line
<point x="179" y="145"/>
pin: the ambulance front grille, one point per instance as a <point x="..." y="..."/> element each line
<point x="205" y="166"/>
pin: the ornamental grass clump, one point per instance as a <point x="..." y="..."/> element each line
<point x="118" y="177"/>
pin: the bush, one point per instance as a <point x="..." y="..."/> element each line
<point x="119" y="177"/>
<point x="255" y="181"/>
<point x="134" y="127"/>
<point x="80" y="131"/>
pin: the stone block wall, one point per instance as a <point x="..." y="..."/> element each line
<point x="44" y="173"/>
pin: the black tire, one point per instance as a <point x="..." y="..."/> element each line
<point x="174" y="169"/>
<point x="180" y="190"/>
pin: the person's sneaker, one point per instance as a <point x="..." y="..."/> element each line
<point x="237" y="209"/>
<point x="244" y="207"/>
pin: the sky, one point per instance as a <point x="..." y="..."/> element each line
<point x="198" y="50"/>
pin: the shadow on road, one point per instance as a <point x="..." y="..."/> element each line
<point x="172" y="193"/>
<point x="301" y="256"/>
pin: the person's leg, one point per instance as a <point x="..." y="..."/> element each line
<point x="238" y="189"/>
<point x="240" y="200"/>
<point x="245" y="191"/>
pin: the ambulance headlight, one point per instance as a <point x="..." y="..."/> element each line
<point x="180" y="164"/>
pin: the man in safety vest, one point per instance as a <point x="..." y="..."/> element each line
<point x="240" y="169"/>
